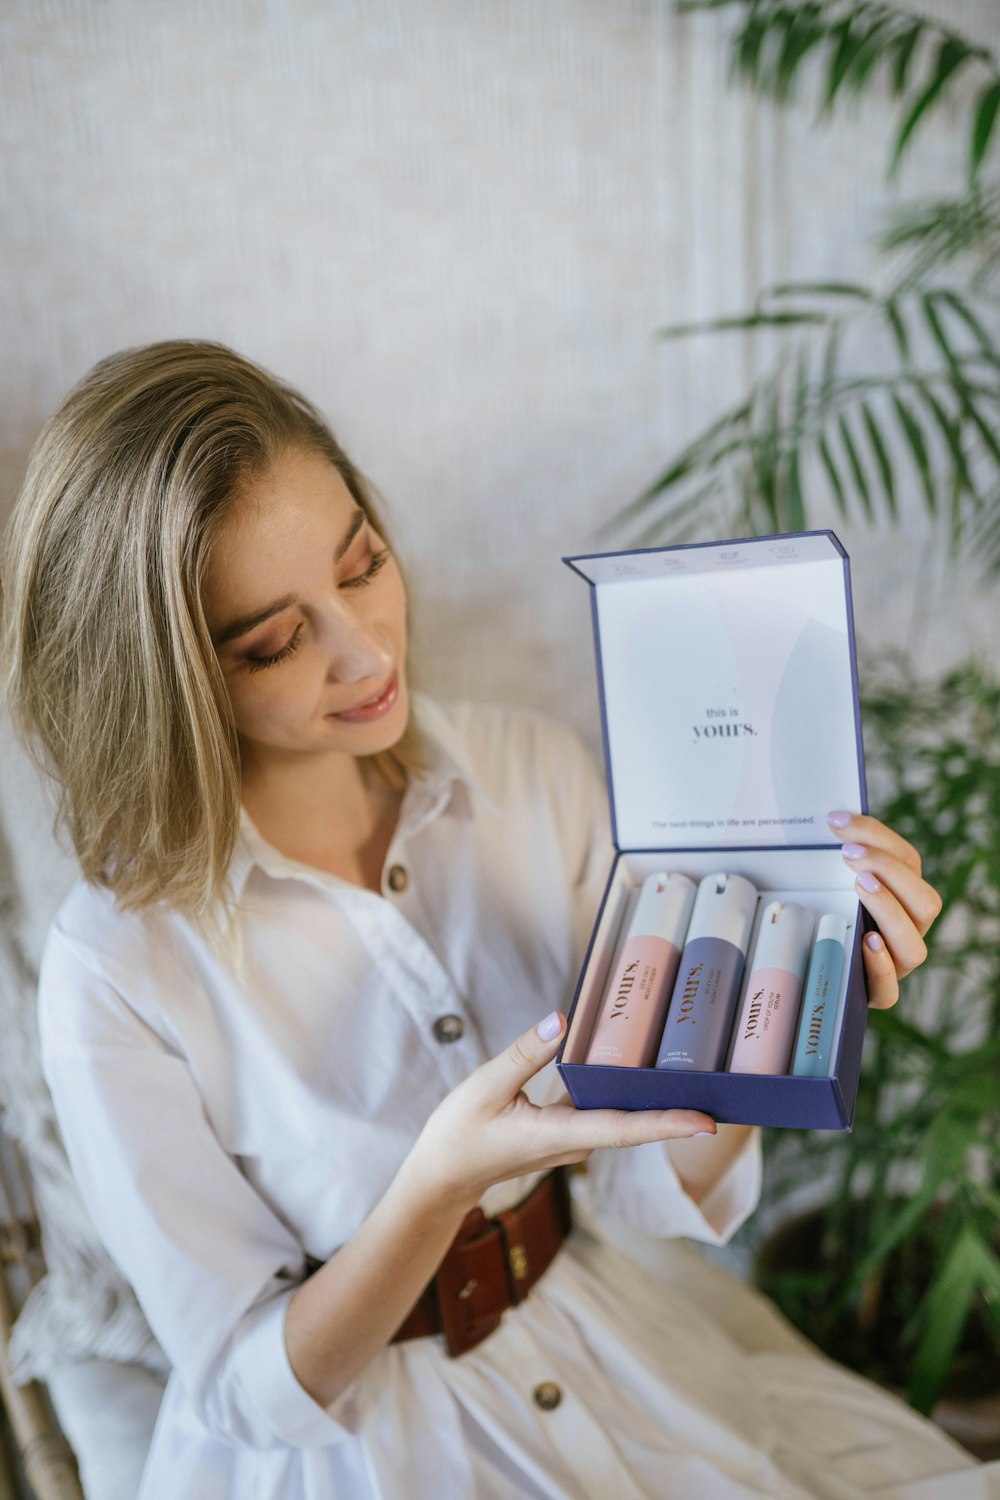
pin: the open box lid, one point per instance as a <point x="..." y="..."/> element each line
<point x="728" y="684"/>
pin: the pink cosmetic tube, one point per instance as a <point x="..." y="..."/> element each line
<point x="769" y="1015"/>
<point x="635" y="1001"/>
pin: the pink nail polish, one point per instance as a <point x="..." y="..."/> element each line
<point x="838" y="819"/>
<point x="874" y="942"/>
<point x="853" y="851"/>
<point x="549" y="1029"/>
<point x="868" y="882"/>
<point x="704" y="1132"/>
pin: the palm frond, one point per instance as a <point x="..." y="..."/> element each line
<point x="935" y="234"/>
<point x="952" y="54"/>
<point x="982" y="124"/>
<point x="856" y="44"/>
<point x="925" y="421"/>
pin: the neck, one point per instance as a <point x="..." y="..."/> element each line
<point x="333" y="811"/>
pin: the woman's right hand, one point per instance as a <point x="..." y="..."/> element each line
<point x="487" y="1130"/>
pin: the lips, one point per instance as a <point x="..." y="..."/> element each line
<point x="372" y="708"/>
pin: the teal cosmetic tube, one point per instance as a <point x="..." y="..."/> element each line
<point x="819" y="1020"/>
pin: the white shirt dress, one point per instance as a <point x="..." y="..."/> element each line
<point x="225" y="1122"/>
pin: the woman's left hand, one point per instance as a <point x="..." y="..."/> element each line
<point x="890" y="886"/>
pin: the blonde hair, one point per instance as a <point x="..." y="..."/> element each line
<point x="107" y="659"/>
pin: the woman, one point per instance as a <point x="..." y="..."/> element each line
<point x="277" y="1012"/>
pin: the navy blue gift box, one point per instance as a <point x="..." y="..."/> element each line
<point x="728" y="686"/>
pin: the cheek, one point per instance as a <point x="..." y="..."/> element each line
<point x="271" y="696"/>
<point x="397" y="609"/>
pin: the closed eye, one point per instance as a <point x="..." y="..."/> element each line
<point x="258" y="663"/>
<point x="375" y="566"/>
<point x="359" y="581"/>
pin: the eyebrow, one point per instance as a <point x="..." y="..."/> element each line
<point x="245" y="623"/>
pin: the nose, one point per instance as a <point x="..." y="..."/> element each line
<point x="355" y="649"/>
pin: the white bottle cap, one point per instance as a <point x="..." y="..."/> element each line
<point x="832" y="926"/>
<point x="724" y="908"/>
<point x="784" y="937"/>
<point x="663" y="908"/>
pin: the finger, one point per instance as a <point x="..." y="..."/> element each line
<point x="920" y="900"/>
<point x="601" y="1128"/>
<point x="907" y="948"/>
<point x="880" y="973"/>
<point x="858" y="828"/>
<point x="503" y="1077"/>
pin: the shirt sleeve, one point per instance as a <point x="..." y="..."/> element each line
<point x="212" y="1266"/>
<point x="640" y="1187"/>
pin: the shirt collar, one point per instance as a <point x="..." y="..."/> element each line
<point x="446" y="773"/>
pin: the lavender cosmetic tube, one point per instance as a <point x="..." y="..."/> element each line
<point x="768" y="1016"/>
<point x="635" y="1001"/>
<point x="700" y="1016"/>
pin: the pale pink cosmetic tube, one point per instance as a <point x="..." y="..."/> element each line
<point x="628" y="1027"/>
<point x="769" y="1015"/>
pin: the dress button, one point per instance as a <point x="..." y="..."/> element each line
<point x="547" y="1395"/>
<point x="398" y="878"/>
<point x="448" y="1028"/>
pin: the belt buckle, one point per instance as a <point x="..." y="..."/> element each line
<point x="474" y="1283"/>
<point x="517" y="1263"/>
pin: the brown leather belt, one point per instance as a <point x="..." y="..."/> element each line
<point x="492" y="1264"/>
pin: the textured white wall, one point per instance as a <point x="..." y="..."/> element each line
<point x="456" y="224"/>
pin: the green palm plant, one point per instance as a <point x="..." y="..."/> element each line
<point x="862" y="41"/>
<point x="903" y="1272"/>
<point x="875" y="393"/>
<point x="871" y="389"/>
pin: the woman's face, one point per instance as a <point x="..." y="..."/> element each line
<point x="307" y="613"/>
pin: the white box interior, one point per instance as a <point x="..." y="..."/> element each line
<point x="728" y="691"/>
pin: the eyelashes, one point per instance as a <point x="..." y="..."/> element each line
<point x="375" y="566"/>
<point x="378" y="562"/>
<point x="258" y="663"/>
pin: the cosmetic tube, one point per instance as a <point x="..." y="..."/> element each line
<point x="635" y="1001"/>
<point x="816" y="1045"/>
<point x="768" y="1017"/>
<point x="700" y="1015"/>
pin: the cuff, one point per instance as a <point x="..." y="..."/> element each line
<point x="640" y="1187"/>
<point x="261" y="1359"/>
<point x="733" y="1198"/>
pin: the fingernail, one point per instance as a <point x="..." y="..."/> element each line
<point x="874" y="942"/>
<point x="838" y="819"/>
<point x="853" y="851"/>
<point x="550" y="1027"/>
<point x="868" y="882"/>
<point x="705" y="1132"/>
